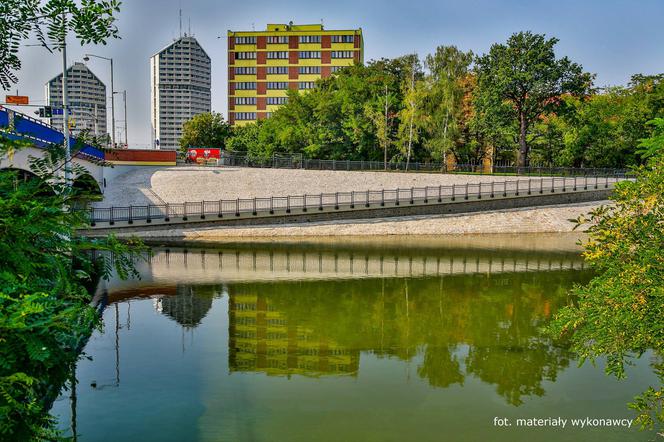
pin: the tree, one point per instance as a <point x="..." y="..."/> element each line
<point x="51" y="20"/>
<point x="443" y="105"/>
<point x="523" y="79"/>
<point x="620" y="313"/>
<point x="205" y="130"/>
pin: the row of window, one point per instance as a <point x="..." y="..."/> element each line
<point x="283" y="39"/>
<point x="239" y="101"/>
<point x="245" y="71"/>
<point x="274" y="85"/>
<point x="245" y="116"/>
<point x="277" y="85"/>
<point x="278" y="70"/>
<point x="283" y="55"/>
<point x="277" y="39"/>
<point x="309" y="39"/>
<point x="309" y="54"/>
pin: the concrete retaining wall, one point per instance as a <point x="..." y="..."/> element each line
<point x="432" y="207"/>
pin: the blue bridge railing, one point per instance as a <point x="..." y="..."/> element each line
<point x="21" y="126"/>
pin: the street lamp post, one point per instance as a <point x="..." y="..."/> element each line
<point x="87" y="58"/>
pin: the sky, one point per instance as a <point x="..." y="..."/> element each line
<point x="611" y="38"/>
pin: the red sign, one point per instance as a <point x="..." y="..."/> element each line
<point x="17" y="99"/>
<point x="204" y="152"/>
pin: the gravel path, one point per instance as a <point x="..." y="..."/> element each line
<point x="157" y="185"/>
<point x="546" y="219"/>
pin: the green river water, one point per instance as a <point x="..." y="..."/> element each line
<point x="344" y="341"/>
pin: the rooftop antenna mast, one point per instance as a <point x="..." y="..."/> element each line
<point x="180" y="22"/>
<point x="189" y="26"/>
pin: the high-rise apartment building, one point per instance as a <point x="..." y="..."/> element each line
<point x="86" y="100"/>
<point x="264" y="65"/>
<point x="180" y="80"/>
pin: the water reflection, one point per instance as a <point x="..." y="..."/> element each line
<point x="485" y="326"/>
<point x="449" y="319"/>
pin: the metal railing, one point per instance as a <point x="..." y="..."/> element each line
<point x="284" y="205"/>
<point x="438" y="167"/>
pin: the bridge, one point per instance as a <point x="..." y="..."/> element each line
<point x="18" y="126"/>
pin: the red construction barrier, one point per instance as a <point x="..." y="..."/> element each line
<point x="144" y="157"/>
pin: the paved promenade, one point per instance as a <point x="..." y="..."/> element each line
<point x="159" y="185"/>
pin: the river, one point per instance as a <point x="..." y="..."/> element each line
<point x="362" y="340"/>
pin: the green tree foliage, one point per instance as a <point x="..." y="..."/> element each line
<point x="521" y="80"/>
<point x="620" y="313"/>
<point x="46" y="270"/>
<point x="50" y="21"/>
<point x="443" y="103"/>
<point x="205" y="130"/>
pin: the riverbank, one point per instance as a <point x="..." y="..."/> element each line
<point x="548" y="219"/>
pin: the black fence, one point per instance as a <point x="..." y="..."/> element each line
<point x="502" y="168"/>
<point x="346" y="200"/>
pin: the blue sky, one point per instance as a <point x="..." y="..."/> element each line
<point x="612" y="38"/>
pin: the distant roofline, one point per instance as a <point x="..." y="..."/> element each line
<point x="286" y="29"/>
<point x="86" y="67"/>
<point x="176" y="41"/>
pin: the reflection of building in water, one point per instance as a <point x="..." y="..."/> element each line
<point x="186" y="307"/>
<point x="262" y="339"/>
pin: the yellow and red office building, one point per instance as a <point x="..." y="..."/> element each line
<point x="264" y="65"/>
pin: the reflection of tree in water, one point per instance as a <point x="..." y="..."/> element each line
<point x="484" y="326"/>
<point x="189" y="305"/>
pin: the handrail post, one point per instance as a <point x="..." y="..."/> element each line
<point x="167" y="218"/>
<point x="453" y="192"/>
<point x="254" y="212"/>
<point x="220" y="208"/>
<point x="352" y="199"/>
<point x="398" y="198"/>
<point x="382" y="197"/>
<point x="112" y="216"/>
<point x="271" y="205"/>
<point x="320" y="202"/>
<point x="336" y="200"/>
<point x="440" y="193"/>
<point x="411" y="196"/>
<point x="304" y="202"/>
<point x="517" y="187"/>
<point x="466" y="195"/>
<point x="492" y="188"/>
<point x="367" y="200"/>
<point x="553" y="184"/>
<point x="202" y="213"/>
<point x="147" y="218"/>
<point x="426" y="194"/>
<point x="237" y="207"/>
<point x="479" y="191"/>
<point x="575" y="182"/>
<point x="529" y="184"/>
<point x="541" y="190"/>
<point x="130" y="221"/>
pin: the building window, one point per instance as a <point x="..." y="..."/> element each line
<point x="245" y="55"/>
<point x="245" y="100"/>
<point x="245" y="116"/>
<point x="245" y="71"/>
<point x="309" y="38"/>
<point x="342" y="54"/>
<point x="277" y="70"/>
<point x="343" y="39"/>
<point x="274" y="39"/>
<point x="245" y="40"/>
<point x="277" y="85"/>
<point x="337" y="68"/>
<point x="277" y="55"/>
<point x="306" y="85"/>
<point x="309" y="54"/>
<point x="309" y="69"/>
<point x="245" y="85"/>
<point x="277" y="100"/>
